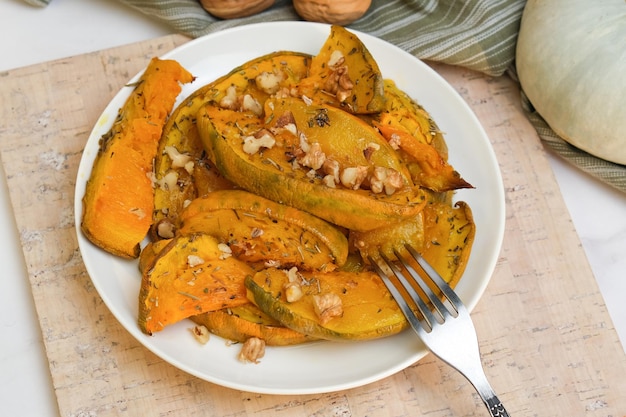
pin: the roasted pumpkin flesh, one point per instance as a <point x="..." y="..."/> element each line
<point x="273" y="188"/>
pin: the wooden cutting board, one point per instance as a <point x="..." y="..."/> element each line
<point x="549" y="347"/>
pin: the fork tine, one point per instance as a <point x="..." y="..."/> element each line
<point x="433" y="298"/>
<point x="436" y="278"/>
<point x="425" y="312"/>
<point x="395" y="292"/>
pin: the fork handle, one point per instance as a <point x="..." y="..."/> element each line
<point x="495" y="407"/>
<point x="478" y="379"/>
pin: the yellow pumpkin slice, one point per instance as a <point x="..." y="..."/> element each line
<point x="182" y="168"/>
<point x="260" y="230"/>
<point x="410" y="128"/>
<point x="118" y="200"/>
<point x="449" y="236"/>
<point x="401" y="111"/>
<point x="191" y="275"/>
<point x="344" y="74"/>
<point x="269" y="170"/>
<point x="344" y="138"/>
<point x="336" y="306"/>
<point x="241" y="323"/>
<point x="428" y="168"/>
<point x="443" y="234"/>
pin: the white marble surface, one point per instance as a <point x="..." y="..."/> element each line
<point x="30" y="35"/>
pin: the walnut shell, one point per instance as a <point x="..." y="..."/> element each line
<point x="336" y="12"/>
<point x="231" y="9"/>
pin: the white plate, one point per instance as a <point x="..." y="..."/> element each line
<point x="321" y="366"/>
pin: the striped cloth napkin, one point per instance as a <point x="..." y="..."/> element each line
<point x="477" y="34"/>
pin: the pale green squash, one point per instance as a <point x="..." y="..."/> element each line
<point x="571" y="63"/>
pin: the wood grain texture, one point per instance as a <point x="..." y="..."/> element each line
<point x="549" y="347"/>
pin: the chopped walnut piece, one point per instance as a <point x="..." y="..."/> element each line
<point x="285" y="92"/>
<point x="229" y="101"/>
<point x="329" y="181"/>
<point x="353" y="177"/>
<point x="331" y="167"/>
<point x="293" y="275"/>
<point x="394" y="141"/>
<point x="201" y="334"/>
<point x="226" y="251"/>
<point x="272" y="263"/>
<point x="251" y="104"/>
<point x="293" y="291"/>
<point x="327" y="306"/>
<point x="179" y="160"/>
<point x="262" y="139"/>
<point x="336" y="57"/>
<point x="370" y="149"/>
<point x="165" y="229"/>
<point x="393" y="182"/>
<point x="377" y="180"/>
<point x="345" y="87"/>
<point x="194" y="260"/>
<point x="269" y="82"/>
<point x="305" y="146"/>
<point x="314" y="157"/>
<point x="169" y="181"/>
<point x="293" y="288"/>
<point x="243" y="248"/>
<point x="338" y="82"/>
<point x="252" y="350"/>
<point x="385" y="179"/>
<point x="287" y="122"/>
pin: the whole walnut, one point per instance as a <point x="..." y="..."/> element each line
<point x="337" y="12"/>
<point x="231" y="9"/>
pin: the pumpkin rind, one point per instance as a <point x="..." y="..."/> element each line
<point x="241" y="323"/>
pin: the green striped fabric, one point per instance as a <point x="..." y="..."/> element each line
<point x="39" y="3"/>
<point x="608" y="172"/>
<point x="477" y="34"/>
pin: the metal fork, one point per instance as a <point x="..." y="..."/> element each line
<point x="448" y="330"/>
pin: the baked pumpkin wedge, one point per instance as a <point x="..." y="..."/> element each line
<point x="119" y="195"/>
<point x="264" y="164"/>
<point x="336" y="306"/>
<point x="413" y="132"/>
<point x="344" y="74"/>
<point x="449" y="232"/>
<point x="428" y="168"/>
<point x="241" y="323"/>
<point x="258" y="230"/>
<point x="342" y="137"/>
<point x="182" y="169"/>
<point x="192" y="274"/>
<point x="442" y="233"/>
